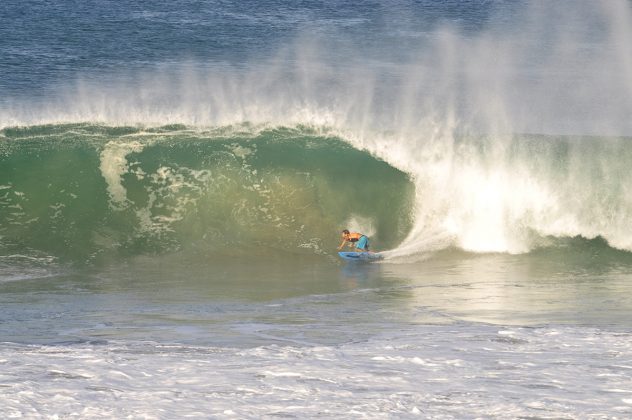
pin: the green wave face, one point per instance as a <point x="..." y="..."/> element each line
<point x="85" y="193"/>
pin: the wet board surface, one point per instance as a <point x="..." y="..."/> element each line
<point x="360" y="256"/>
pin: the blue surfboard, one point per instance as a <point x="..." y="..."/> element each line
<point x="360" y="256"/>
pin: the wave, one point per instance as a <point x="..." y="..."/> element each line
<point x="426" y="150"/>
<point x="484" y="196"/>
<point x="87" y="192"/>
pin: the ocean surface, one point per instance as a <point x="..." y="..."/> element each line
<point x="174" y="177"/>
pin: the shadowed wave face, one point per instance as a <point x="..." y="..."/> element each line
<point x="85" y="192"/>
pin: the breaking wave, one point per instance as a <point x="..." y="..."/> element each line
<point x="425" y="151"/>
<point x="85" y="191"/>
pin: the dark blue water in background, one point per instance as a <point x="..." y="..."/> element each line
<point x="45" y="44"/>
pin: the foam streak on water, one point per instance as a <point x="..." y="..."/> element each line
<point x="455" y="371"/>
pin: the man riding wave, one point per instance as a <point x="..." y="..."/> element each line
<point x="360" y="241"/>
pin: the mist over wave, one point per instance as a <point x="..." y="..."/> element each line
<point x="452" y="113"/>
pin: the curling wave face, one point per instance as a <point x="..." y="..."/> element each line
<point x="84" y="192"/>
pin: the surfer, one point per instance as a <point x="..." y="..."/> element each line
<point x="361" y="241"/>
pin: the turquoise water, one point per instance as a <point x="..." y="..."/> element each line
<point x="111" y="192"/>
<point x="174" y="177"/>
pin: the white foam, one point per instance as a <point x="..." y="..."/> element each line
<point x="456" y="371"/>
<point x="356" y="223"/>
<point x="114" y="165"/>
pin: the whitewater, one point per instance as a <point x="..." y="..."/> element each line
<point x="174" y="178"/>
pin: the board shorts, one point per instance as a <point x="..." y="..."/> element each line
<point x="363" y="243"/>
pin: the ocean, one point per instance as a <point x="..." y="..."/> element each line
<point x="174" y="177"/>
